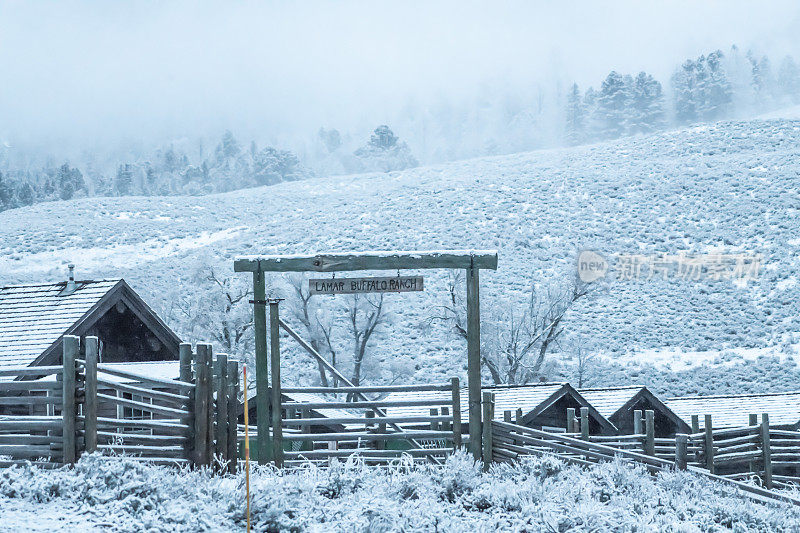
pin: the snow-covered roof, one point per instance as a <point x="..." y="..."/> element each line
<point x="610" y="400"/>
<point x="506" y="398"/>
<point x="34" y="317"/>
<point x="734" y="410"/>
<point x="151" y="369"/>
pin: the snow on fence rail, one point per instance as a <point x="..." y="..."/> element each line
<point x="31" y="421"/>
<point x="56" y="413"/>
<point x="363" y="427"/>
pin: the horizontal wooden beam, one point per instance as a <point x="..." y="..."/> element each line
<point x="389" y="260"/>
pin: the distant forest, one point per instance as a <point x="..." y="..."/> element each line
<point x="712" y="87"/>
<point x="708" y="88"/>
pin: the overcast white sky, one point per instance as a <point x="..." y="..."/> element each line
<point x="99" y="70"/>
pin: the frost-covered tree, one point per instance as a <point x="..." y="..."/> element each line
<point x="612" y="105"/>
<point x="715" y="93"/>
<point x="331" y="139"/>
<point x="647" y="105"/>
<point x="6" y="194"/>
<point x="217" y="309"/>
<point x="575" y="127"/>
<point x="590" y="109"/>
<point x="228" y="148"/>
<point x="70" y="181"/>
<point x="701" y="89"/>
<point x="763" y="81"/>
<point x="789" y="79"/>
<point x="273" y="166"/>
<point x="385" y="152"/>
<point x="123" y="183"/>
<point x="26" y="194"/>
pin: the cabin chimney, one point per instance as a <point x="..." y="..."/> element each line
<point x="71" y="281"/>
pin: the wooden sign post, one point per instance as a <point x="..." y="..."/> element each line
<point x="471" y="261"/>
<point x="365" y="285"/>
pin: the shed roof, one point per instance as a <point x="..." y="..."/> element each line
<point x="734" y="410"/>
<point x="532" y="399"/>
<point x="611" y="399"/>
<point x="33" y="318"/>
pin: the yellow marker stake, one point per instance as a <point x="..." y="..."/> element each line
<point x="246" y="447"/>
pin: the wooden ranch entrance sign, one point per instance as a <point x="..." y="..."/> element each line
<point x="471" y="261"/>
<point x="361" y="285"/>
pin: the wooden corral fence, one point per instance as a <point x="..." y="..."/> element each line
<point x="54" y="414"/>
<point x="32" y="421"/>
<point x="506" y="441"/>
<point x="367" y="430"/>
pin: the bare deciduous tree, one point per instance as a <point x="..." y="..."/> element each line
<point x="218" y="310"/>
<point x="365" y="315"/>
<point x="308" y="313"/>
<point x="514" y="345"/>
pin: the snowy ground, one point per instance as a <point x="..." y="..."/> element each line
<point x="541" y="494"/>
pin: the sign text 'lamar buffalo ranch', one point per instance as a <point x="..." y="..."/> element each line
<point x="359" y="285"/>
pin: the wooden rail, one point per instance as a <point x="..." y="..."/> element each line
<point x="510" y="441"/>
<point x="369" y="431"/>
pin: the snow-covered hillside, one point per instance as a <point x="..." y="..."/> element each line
<point x="732" y="186"/>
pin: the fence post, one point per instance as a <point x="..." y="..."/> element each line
<point x="189" y="420"/>
<point x="232" y="396"/>
<point x="585" y="423"/>
<point x="753" y="421"/>
<point x="518" y="416"/>
<point x="649" y="432"/>
<point x="507" y="416"/>
<point x="637" y="422"/>
<point x="90" y="401"/>
<point x="455" y="390"/>
<point x="681" y="442"/>
<point x="71" y="345"/>
<point x="488" y="400"/>
<point x="709" y="445"/>
<point x="765" y="448"/>
<point x="201" y="406"/>
<point x="570" y="420"/>
<point x="210" y="389"/>
<point x="222" y="407"/>
<point x="695" y="424"/>
<point x="275" y="370"/>
<point x="185" y="362"/>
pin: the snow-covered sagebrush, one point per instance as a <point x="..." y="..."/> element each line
<point x="540" y="494"/>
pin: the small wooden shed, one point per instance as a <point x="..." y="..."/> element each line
<point x="544" y="405"/>
<point x="734" y="410"/>
<point x="618" y="404"/>
<point x="34" y="319"/>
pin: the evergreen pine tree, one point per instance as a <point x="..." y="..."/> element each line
<point x="123" y="184"/>
<point x="6" y="194"/>
<point x="683" y="88"/>
<point x="576" y="117"/>
<point x="647" y="105"/>
<point x="25" y="193"/>
<point x="716" y="93"/>
<point x="69" y="181"/>
<point x="612" y="105"/>
<point x="592" y="125"/>
<point x="789" y="79"/>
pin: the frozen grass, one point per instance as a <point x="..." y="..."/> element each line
<point x="541" y="494"/>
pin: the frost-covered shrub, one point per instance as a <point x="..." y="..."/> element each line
<point x="539" y="493"/>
